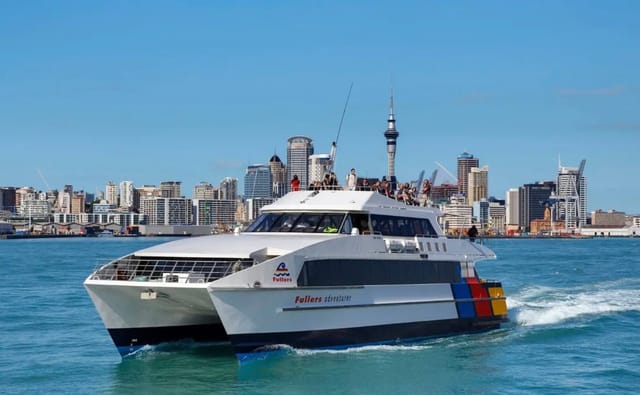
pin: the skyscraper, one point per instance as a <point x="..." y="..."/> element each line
<point x="257" y="182"/>
<point x="229" y="188"/>
<point x="278" y="177"/>
<point x="170" y="189"/>
<point x="391" y="134"/>
<point x="465" y="162"/>
<point x="126" y="194"/>
<point x="478" y="184"/>
<point x="299" y="148"/>
<point x="572" y="196"/>
<point x="111" y="193"/>
<point x="533" y="198"/>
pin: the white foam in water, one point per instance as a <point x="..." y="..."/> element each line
<point x="381" y="347"/>
<point x="545" y="305"/>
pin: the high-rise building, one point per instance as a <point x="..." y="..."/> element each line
<point x="257" y="182"/>
<point x="78" y="200"/>
<point x="532" y="202"/>
<point x="478" y="184"/>
<point x="167" y="211"/>
<point x="318" y="167"/>
<point x="228" y="189"/>
<point x="299" y="148"/>
<point x="170" y="189"/>
<point x="205" y="191"/>
<point x="8" y="199"/>
<point x="391" y="135"/>
<point x="126" y="194"/>
<point x="571" y="194"/>
<point x="512" y="208"/>
<point x="111" y="193"/>
<point x="278" y="177"/>
<point x="214" y="212"/>
<point x="465" y="162"/>
<point x="65" y="199"/>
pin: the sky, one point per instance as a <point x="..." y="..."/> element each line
<point x="192" y="91"/>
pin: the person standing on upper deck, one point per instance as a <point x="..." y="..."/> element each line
<point x="352" y="179"/>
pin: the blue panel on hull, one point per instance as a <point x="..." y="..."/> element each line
<point x="461" y="291"/>
<point x="466" y="309"/>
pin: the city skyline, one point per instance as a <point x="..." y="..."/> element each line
<point x="200" y="92"/>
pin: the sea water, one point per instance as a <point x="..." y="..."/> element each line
<point x="574" y="309"/>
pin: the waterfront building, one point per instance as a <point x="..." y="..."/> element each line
<point x="8" y="199"/>
<point x="512" y="208"/>
<point x="228" y="189"/>
<point x="478" y="184"/>
<point x="299" y="148"/>
<point x="391" y="136"/>
<point x="257" y="182"/>
<point x="111" y="193"/>
<point x="318" y="166"/>
<point x="205" y="191"/>
<point x="465" y="162"/>
<point x="605" y="219"/>
<point x="34" y="208"/>
<point x="170" y="189"/>
<point x="214" y="212"/>
<point x="278" y="177"/>
<point x="571" y="194"/>
<point x="102" y="218"/>
<point x="532" y="202"/>
<point x="167" y="211"/>
<point x="127" y="195"/>
<point x="497" y="218"/>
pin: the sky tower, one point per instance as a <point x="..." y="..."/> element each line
<point x="391" y="134"/>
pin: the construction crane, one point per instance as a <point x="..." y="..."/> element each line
<point x="334" y="144"/>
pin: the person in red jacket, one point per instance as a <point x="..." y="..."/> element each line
<point x="295" y="183"/>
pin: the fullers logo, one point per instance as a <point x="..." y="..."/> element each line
<point x="281" y="275"/>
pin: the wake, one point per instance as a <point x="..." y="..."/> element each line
<point x="539" y="305"/>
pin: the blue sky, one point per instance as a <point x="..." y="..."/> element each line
<point x="195" y="91"/>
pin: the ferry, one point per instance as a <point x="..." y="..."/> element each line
<point x="317" y="269"/>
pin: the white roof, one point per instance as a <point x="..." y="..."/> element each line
<point x="340" y="200"/>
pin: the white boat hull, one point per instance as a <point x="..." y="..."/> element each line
<point x="143" y="313"/>
<point x="257" y="320"/>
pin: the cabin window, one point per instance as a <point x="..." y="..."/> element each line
<point x="300" y="222"/>
<point x="402" y="226"/>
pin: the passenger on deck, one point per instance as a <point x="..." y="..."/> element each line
<point x="352" y="180"/>
<point x="295" y="183"/>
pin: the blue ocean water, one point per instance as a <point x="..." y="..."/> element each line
<point x="574" y="328"/>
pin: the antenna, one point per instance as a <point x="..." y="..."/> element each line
<point x="334" y="145"/>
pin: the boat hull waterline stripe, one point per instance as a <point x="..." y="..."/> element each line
<point x="128" y="340"/>
<point x="250" y="346"/>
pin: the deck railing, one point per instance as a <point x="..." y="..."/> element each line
<point x="134" y="268"/>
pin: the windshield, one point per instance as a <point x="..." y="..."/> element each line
<point x="299" y="222"/>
